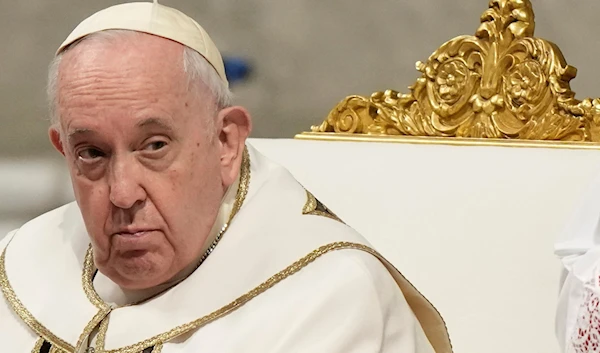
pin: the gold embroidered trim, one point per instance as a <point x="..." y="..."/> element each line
<point x="157" y="348"/>
<point x="101" y="339"/>
<point x="94" y="298"/>
<point x="315" y="207"/>
<point x="244" y="185"/>
<point x="239" y="302"/>
<point x="38" y="345"/>
<point x="24" y="314"/>
<point x="88" y="275"/>
<point x="94" y="322"/>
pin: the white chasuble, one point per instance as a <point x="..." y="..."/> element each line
<point x="286" y="276"/>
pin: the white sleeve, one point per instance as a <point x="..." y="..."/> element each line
<point x="349" y="303"/>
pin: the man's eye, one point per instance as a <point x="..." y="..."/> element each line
<point x="156" y="145"/>
<point x="90" y="154"/>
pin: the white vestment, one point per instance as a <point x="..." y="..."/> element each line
<point x="287" y="276"/>
<point x="578" y="311"/>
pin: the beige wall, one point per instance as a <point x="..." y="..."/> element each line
<point x="307" y="54"/>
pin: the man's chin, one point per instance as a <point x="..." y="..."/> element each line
<point x="137" y="271"/>
<point x="140" y="282"/>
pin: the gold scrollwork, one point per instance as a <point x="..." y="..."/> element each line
<point x="501" y="83"/>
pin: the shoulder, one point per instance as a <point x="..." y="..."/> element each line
<point x="350" y="295"/>
<point x="360" y="265"/>
<point x="353" y="277"/>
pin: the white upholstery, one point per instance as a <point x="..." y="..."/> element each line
<point x="472" y="227"/>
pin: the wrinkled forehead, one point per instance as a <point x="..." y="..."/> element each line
<point x="130" y="58"/>
<point x="126" y="48"/>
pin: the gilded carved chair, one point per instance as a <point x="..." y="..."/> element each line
<point x="467" y="181"/>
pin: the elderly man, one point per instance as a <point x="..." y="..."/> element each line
<point x="183" y="238"/>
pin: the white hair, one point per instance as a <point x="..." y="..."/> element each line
<point x="196" y="67"/>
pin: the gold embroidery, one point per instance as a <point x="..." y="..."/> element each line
<point x="38" y="345"/>
<point x="88" y="275"/>
<point x="94" y="298"/>
<point x="92" y="325"/>
<point x="101" y="339"/>
<point x="244" y="185"/>
<point x="24" y="314"/>
<point x="315" y="207"/>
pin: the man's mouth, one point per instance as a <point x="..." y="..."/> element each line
<point x="134" y="232"/>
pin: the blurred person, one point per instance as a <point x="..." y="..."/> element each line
<point x="183" y="238"/>
<point x="578" y="311"/>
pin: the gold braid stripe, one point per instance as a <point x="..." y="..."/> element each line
<point x="239" y="302"/>
<point x="38" y="345"/>
<point x="24" y="314"/>
<point x="88" y="274"/>
<point x="97" y="319"/>
<point x="240" y="197"/>
<point x="101" y="339"/>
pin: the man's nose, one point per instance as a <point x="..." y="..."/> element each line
<point x="125" y="184"/>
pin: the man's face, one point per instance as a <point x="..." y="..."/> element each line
<point x="145" y="172"/>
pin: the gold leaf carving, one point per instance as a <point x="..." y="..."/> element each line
<point x="501" y="83"/>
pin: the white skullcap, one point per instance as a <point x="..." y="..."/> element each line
<point x="156" y="19"/>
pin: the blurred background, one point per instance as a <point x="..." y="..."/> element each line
<point x="304" y="56"/>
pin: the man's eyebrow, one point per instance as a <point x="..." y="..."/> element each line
<point x="156" y="123"/>
<point x="146" y="123"/>
<point x="79" y="132"/>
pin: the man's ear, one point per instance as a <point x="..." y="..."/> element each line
<point x="55" y="138"/>
<point x="236" y="125"/>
